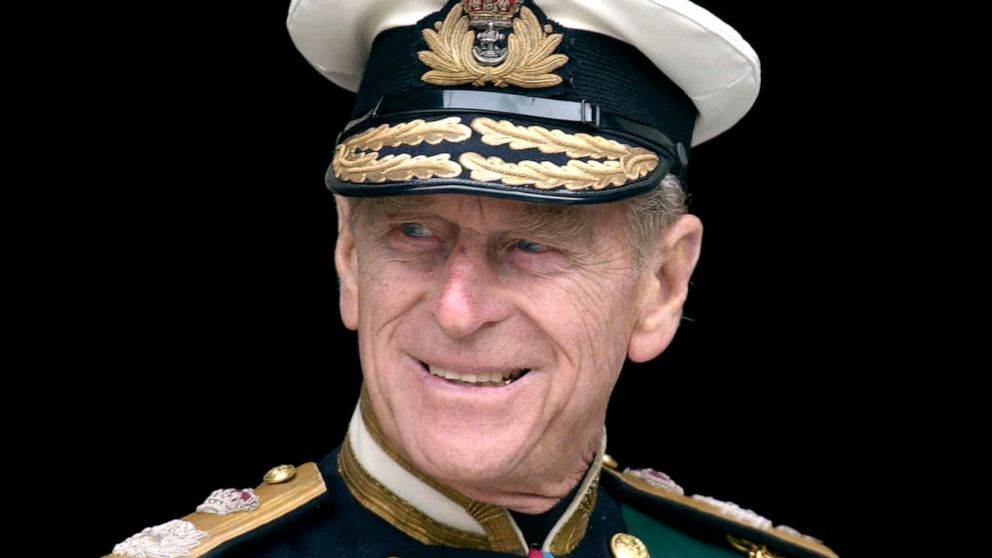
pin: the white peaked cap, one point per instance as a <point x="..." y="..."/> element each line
<point x="708" y="59"/>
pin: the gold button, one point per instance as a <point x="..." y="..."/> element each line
<point x="609" y="462"/>
<point x="280" y="474"/>
<point x="628" y="546"/>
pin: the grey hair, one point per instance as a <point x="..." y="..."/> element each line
<point x="648" y="214"/>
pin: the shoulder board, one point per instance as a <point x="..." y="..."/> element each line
<point x="752" y="540"/>
<point x="286" y="489"/>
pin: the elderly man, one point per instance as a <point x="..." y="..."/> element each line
<point x="512" y="227"/>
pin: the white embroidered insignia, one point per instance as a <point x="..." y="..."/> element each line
<point x="731" y="509"/>
<point x="656" y="479"/>
<point x="229" y="500"/>
<point x="791" y="531"/>
<point x="168" y="540"/>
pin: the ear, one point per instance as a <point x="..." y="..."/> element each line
<point x="665" y="285"/>
<point x="346" y="263"/>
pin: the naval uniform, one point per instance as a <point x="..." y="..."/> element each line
<point x="566" y="102"/>
<point x="364" y="501"/>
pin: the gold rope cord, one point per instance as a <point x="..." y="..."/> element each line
<point x="529" y="62"/>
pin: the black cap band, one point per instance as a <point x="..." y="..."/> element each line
<point x="602" y="71"/>
<point x="414" y="104"/>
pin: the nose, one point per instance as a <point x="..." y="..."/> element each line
<point x="469" y="295"/>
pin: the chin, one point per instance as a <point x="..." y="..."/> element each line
<point x="461" y="459"/>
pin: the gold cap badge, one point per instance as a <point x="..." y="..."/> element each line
<point x="523" y="58"/>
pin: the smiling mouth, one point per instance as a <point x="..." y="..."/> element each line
<point x="492" y="379"/>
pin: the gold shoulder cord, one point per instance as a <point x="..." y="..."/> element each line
<point x="276" y="501"/>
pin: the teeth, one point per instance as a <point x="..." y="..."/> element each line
<point x="490" y="379"/>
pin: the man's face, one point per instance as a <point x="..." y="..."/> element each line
<point x="491" y="332"/>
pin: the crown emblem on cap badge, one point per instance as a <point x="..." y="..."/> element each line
<point x="493" y="16"/>
<point x="472" y="45"/>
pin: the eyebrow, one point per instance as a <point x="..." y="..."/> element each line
<point x="540" y="221"/>
<point x="553" y="222"/>
<point x="395" y="204"/>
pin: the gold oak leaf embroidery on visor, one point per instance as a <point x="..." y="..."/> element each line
<point x="357" y="159"/>
<point x="624" y="162"/>
<point x="529" y="61"/>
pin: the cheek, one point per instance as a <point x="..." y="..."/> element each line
<point x="590" y="321"/>
<point x="600" y="310"/>
<point x="389" y="293"/>
<point x="387" y="288"/>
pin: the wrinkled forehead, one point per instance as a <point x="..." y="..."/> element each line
<point x="545" y="220"/>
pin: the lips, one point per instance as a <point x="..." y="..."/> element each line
<point x="483" y="379"/>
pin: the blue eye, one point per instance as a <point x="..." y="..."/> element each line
<point x="416" y="230"/>
<point x="532" y="247"/>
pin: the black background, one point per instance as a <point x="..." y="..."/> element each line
<point x="195" y="297"/>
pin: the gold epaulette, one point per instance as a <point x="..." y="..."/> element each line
<point x="739" y="532"/>
<point x="284" y="490"/>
